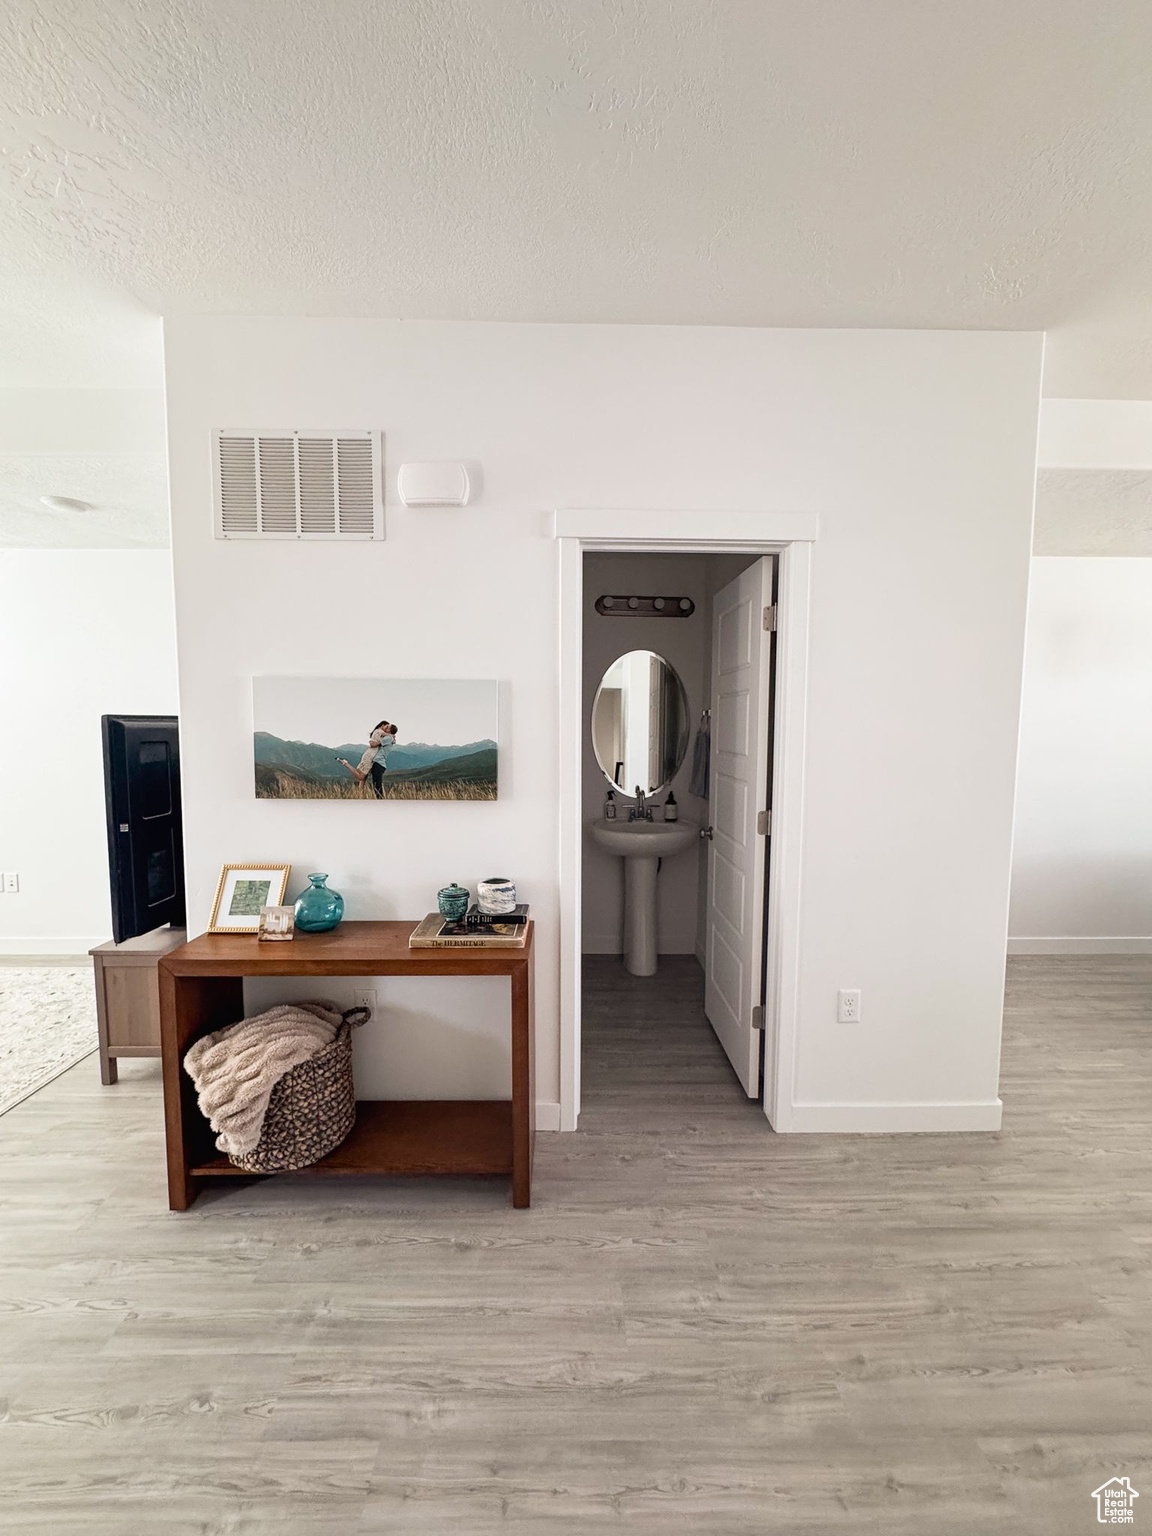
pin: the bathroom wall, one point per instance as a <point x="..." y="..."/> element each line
<point x="916" y="450"/>
<point x="686" y="644"/>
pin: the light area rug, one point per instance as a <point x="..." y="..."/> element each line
<point x="47" y="1024"/>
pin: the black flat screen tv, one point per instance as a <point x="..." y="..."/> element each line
<point x="145" y="830"/>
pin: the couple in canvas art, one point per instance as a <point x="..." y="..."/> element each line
<point x="374" y="763"/>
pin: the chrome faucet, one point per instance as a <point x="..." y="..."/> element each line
<point x="641" y="811"/>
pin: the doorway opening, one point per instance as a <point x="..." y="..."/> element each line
<point x="683" y="677"/>
<point x="676" y="789"/>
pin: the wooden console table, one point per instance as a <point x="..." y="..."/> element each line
<point x="201" y="989"/>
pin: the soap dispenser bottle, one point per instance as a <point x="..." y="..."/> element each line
<point x="671" y="809"/>
<point x="610" y="805"/>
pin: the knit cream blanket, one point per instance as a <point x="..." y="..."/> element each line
<point x="235" y="1069"/>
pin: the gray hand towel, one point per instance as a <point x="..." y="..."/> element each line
<point x="701" y="753"/>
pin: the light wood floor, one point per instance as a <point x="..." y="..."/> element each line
<point x="698" y="1328"/>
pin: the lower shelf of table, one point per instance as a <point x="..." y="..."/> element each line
<point x="412" y="1136"/>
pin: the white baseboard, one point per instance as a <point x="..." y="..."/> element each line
<point x="880" y="1119"/>
<point x="1138" y="945"/>
<point x="69" y="947"/>
<point x="547" y="1116"/>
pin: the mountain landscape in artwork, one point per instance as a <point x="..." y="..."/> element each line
<point x="417" y="770"/>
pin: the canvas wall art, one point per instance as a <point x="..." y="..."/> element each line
<point x="373" y="740"/>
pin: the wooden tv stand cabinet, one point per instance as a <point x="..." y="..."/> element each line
<point x="202" y="989"/>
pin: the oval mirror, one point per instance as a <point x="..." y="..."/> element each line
<point x="640" y="722"/>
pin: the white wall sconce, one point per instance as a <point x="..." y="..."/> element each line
<point x="434" y="485"/>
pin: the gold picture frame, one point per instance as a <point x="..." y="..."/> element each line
<point x="240" y="893"/>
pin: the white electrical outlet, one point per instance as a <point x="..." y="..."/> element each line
<point x="10" y="884"/>
<point x="365" y="997"/>
<point x="848" y="1005"/>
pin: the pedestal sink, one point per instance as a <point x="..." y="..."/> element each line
<point x="642" y="844"/>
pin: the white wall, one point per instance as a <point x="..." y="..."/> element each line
<point x="918" y="452"/>
<point x="1082" y="867"/>
<point x="83" y="632"/>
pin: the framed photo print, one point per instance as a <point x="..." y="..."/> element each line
<point x="241" y="892"/>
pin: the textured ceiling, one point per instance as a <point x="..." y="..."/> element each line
<point x="1093" y="512"/>
<point x="799" y="162"/>
<point x="128" y="494"/>
<point x="102" y="446"/>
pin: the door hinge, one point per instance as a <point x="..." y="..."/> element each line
<point x="758" y="1016"/>
<point x="770" y="618"/>
<point x="764" y="823"/>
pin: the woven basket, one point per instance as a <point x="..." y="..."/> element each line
<point x="312" y="1108"/>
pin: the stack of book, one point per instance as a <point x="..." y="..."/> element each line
<point x="476" y="930"/>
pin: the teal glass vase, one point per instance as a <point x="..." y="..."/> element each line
<point x="318" y="908"/>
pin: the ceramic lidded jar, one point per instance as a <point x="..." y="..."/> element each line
<point x="318" y="909"/>
<point x="496" y="895"/>
<point x="452" y="902"/>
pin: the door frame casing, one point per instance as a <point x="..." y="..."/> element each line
<point x="791" y="536"/>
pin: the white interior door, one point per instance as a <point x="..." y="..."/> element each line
<point x="741" y="680"/>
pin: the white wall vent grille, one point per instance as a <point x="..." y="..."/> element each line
<point x="298" y="485"/>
